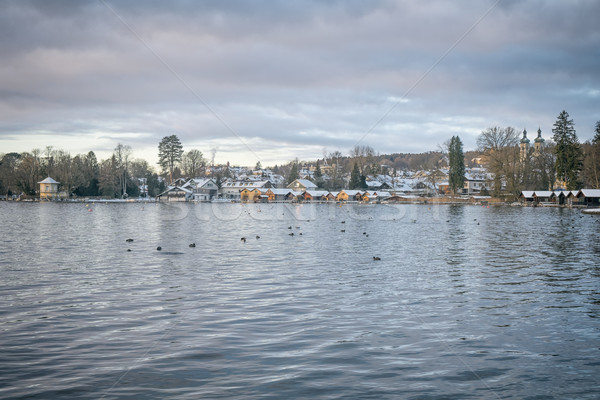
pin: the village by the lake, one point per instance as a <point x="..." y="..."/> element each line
<point x="310" y="200"/>
<point x="518" y="173"/>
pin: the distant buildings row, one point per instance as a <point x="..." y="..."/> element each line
<point x="206" y="189"/>
<point x="421" y="183"/>
<point x="581" y="197"/>
<point x="263" y="191"/>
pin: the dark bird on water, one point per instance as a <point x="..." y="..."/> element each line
<point x="128" y="249"/>
<point x="291" y="234"/>
<point x="129" y="240"/>
<point x="376" y="258"/>
<point x="258" y="237"/>
<point x="192" y="244"/>
<point x="343" y="230"/>
<point x="159" y="248"/>
<point x="243" y="239"/>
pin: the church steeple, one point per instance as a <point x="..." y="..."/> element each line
<point x="524" y="145"/>
<point x="538" y="142"/>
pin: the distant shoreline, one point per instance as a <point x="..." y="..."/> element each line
<point x="417" y="201"/>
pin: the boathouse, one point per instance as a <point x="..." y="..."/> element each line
<point x="175" y="193"/>
<point x="543" y="197"/>
<point x="589" y="197"/>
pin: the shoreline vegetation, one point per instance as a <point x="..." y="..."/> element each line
<point x="484" y="201"/>
<point x="505" y="165"/>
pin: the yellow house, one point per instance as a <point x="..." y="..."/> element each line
<point x="341" y="196"/>
<point x="48" y="189"/>
<point x="244" y="194"/>
<point x="270" y="195"/>
<point x="250" y="194"/>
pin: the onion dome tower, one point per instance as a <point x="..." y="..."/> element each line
<point x="538" y="142"/>
<point x="524" y="145"/>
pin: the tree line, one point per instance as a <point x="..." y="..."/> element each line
<point x="118" y="176"/>
<point x="561" y="159"/>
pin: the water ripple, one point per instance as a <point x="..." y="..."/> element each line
<point x="466" y="302"/>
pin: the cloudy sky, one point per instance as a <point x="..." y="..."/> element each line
<point x="275" y="80"/>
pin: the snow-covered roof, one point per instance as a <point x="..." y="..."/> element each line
<point x="245" y="184"/>
<point x="174" y="188"/>
<point x="48" y="180"/>
<point x="589" y="193"/>
<point x="317" y="193"/>
<point x="283" y="192"/>
<point x="383" y="194"/>
<point x="403" y="187"/>
<point x="197" y="182"/>
<point x="373" y="184"/>
<point x="528" y="194"/>
<point x="350" y="192"/>
<point x="543" y="193"/>
<point x="304" y="182"/>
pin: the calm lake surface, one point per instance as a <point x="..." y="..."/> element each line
<point x="466" y="302"/>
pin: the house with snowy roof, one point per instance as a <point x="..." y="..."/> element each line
<point x="477" y="180"/>
<point x="233" y="189"/>
<point x="48" y="189"/>
<point x="203" y="189"/>
<point x="300" y="185"/>
<point x="590" y="197"/>
<point x="175" y="193"/>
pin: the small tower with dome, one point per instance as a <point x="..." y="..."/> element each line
<point x="524" y="145"/>
<point x="538" y="143"/>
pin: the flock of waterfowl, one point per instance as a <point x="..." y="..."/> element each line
<point x="244" y="239"/>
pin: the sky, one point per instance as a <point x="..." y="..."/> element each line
<point x="271" y="81"/>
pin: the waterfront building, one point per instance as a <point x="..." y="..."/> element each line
<point x="48" y="189"/>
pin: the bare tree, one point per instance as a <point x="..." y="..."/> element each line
<point x="499" y="145"/>
<point x="122" y="154"/>
<point x="497" y="138"/>
<point x="192" y="162"/>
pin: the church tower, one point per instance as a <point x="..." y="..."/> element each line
<point x="538" y="143"/>
<point x="524" y="146"/>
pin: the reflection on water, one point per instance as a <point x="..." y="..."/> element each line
<point x="466" y="301"/>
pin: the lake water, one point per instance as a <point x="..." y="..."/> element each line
<point x="466" y="302"/>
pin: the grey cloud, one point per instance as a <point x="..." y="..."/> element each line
<point x="313" y="74"/>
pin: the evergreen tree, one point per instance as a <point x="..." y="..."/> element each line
<point x="293" y="173"/>
<point x="355" y="178"/>
<point x="363" y="182"/>
<point x="456" y="161"/>
<point x="568" y="151"/>
<point x="170" y="151"/>
<point x="318" y="175"/>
